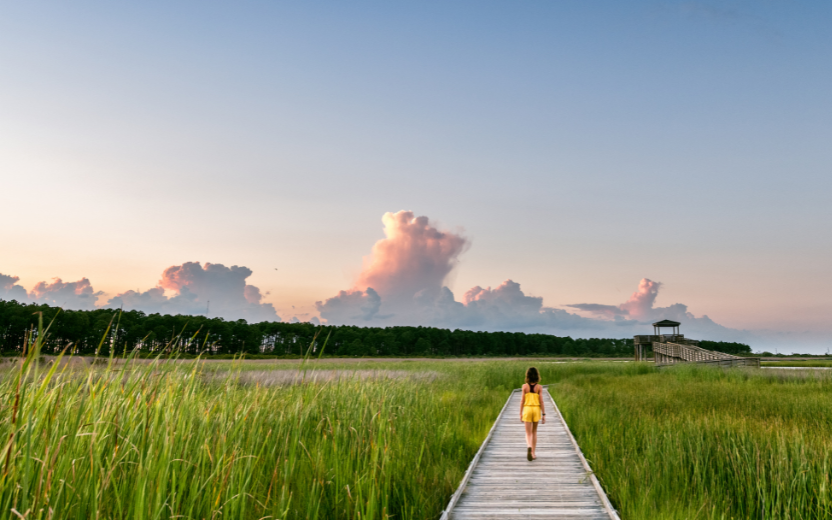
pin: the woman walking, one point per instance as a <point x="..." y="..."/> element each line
<point x="532" y="410"/>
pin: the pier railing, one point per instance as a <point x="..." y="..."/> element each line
<point x="670" y="353"/>
<point x="665" y="338"/>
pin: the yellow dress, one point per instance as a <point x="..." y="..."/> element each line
<point x="531" y="407"/>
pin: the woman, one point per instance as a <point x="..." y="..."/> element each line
<point x="532" y="410"/>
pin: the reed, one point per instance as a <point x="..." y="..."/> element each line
<point x="811" y="363"/>
<point x="179" y="440"/>
<point x="705" y="443"/>
<point x="138" y="439"/>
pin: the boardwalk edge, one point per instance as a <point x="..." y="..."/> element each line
<point x="604" y="499"/>
<point x="455" y="497"/>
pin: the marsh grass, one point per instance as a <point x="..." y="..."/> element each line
<point x="175" y="440"/>
<point x="698" y="442"/>
<point x="294" y="377"/>
<point x="165" y="439"/>
<point x="818" y="363"/>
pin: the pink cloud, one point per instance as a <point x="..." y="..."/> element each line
<point x="404" y="270"/>
<point x="213" y="289"/>
<point x="414" y="256"/>
<point x="75" y="295"/>
<point x="508" y="295"/>
<point x="640" y="304"/>
<point x="403" y="279"/>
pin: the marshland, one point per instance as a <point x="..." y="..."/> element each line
<point x="273" y="260"/>
<point x="326" y="439"/>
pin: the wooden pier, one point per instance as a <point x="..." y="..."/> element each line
<point x="673" y="353"/>
<point x="501" y="483"/>
<point x="671" y="349"/>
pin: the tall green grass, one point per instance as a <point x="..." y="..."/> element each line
<point x="812" y="363"/>
<point x="170" y="440"/>
<point x="694" y="442"/>
<point x="163" y="440"/>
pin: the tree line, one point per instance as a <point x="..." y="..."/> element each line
<point x="728" y="347"/>
<point x="106" y="331"/>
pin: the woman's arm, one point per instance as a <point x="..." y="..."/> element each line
<point x="522" y="401"/>
<point x="542" y="408"/>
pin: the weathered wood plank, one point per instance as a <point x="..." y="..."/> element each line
<point x="501" y="483"/>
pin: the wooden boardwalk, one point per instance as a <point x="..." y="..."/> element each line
<point x="501" y="483"/>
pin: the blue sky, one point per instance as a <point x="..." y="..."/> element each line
<point x="580" y="146"/>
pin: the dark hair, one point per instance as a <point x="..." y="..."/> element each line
<point x="532" y="375"/>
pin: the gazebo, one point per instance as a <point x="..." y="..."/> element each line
<point x="643" y="343"/>
<point x="674" y="348"/>
<point x="666" y="324"/>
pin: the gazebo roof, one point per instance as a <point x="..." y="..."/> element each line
<point x="666" y="323"/>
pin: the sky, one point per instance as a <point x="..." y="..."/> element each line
<point x="275" y="158"/>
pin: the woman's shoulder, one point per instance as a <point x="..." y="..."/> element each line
<point x="525" y="387"/>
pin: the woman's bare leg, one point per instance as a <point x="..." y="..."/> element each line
<point x="534" y="438"/>
<point x="529" y="434"/>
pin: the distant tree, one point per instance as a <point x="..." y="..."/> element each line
<point x="151" y="333"/>
<point x="726" y="347"/>
<point x="422" y="347"/>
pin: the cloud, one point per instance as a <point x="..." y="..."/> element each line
<point x="414" y="257"/>
<point x="350" y="306"/>
<point x="148" y="301"/>
<point x="190" y="288"/>
<point x="213" y="289"/>
<point x="639" y="306"/>
<point x="640" y="310"/>
<point x="507" y="295"/>
<point x="407" y="267"/>
<point x="71" y="295"/>
<point x="605" y="311"/>
<point x="9" y="290"/>
<point x="507" y="307"/>
<point x="403" y="283"/>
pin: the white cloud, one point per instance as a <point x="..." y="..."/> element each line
<point x="9" y="290"/>
<point x="70" y="295"/>
<point x="213" y="289"/>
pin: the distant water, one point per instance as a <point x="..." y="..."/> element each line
<point x="799" y="368"/>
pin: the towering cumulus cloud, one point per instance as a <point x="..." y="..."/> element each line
<point x="405" y="269"/>
<point x="213" y="289"/>
<point x="414" y="257"/>
<point x="403" y="283"/>
<point x="403" y="279"/>
<point x="640" y="304"/>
